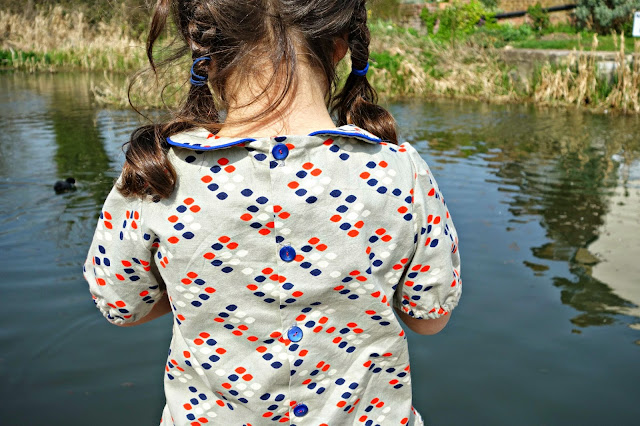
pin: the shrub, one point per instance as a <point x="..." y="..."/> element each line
<point x="604" y="16"/>
<point x="458" y="19"/>
<point x="490" y="4"/>
<point x="539" y="17"/>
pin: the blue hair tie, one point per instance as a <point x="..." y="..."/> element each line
<point x="198" y="80"/>
<point x="361" y="72"/>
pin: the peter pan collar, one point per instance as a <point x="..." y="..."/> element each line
<point x="200" y="139"/>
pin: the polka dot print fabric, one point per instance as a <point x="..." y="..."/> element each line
<point x="283" y="259"/>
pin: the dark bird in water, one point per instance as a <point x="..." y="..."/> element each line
<point x="65" y="185"/>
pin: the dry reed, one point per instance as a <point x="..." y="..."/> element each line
<point x="580" y="83"/>
<point x="626" y="93"/>
<point x="56" y="39"/>
<point x="405" y="64"/>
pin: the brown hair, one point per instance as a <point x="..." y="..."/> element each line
<point x="232" y="33"/>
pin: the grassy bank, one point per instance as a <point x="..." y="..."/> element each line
<point x="408" y="64"/>
<point x="404" y="64"/>
<point x="55" y="39"/>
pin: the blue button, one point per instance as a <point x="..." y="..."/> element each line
<point x="280" y="151"/>
<point x="295" y="334"/>
<point x="300" y="410"/>
<point x="287" y="253"/>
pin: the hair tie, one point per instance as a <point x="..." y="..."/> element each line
<point x="361" y="72"/>
<point x="198" y="80"/>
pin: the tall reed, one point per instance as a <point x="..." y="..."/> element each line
<point x="580" y="82"/>
<point x="54" y="39"/>
<point x="404" y="64"/>
<point x="626" y="93"/>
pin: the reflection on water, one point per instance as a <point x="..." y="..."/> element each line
<point x="48" y="331"/>
<point x="617" y="248"/>
<point x="546" y="203"/>
<point x="561" y="169"/>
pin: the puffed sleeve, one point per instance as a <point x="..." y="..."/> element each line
<point x="430" y="285"/>
<point x="119" y="267"/>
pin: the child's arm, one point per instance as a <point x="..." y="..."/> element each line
<point x="160" y="308"/>
<point x="424" y="327"/>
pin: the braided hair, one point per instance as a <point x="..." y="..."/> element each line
<point x="357" y="102"/>
<point x="240" y="37"/>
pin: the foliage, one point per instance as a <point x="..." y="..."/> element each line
<point x="501" y="35"/>
<point x="539" y="17"/>
<point x="561" y="27"/>
<point x="490" y="4"/>
<point x="604" y="16"/>
<point x="386" y="60"/>
<point x="457" y="20"/>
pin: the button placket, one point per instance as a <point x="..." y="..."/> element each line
<point x="300" y="410"/>
<point x="280" y="151"/>
<point x="287" y="253"/>
<point x="295" y="333"/>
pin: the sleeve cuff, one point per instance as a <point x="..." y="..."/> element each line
<point x="437" y="311"/>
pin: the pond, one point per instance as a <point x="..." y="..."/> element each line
<point x="546" y="202"/>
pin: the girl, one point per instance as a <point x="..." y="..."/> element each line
<point x="280" y="243"/>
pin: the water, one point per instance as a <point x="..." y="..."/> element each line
<point x="543" y="336"/>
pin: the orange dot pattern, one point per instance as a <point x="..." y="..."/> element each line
<point x="370" y="235"/>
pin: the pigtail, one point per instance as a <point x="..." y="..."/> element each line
<point x="357" y="102"/>
<point x="147" y="170"/>
<point x="199" y="107"/>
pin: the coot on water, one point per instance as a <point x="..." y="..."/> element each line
<point x="65" y="185"/>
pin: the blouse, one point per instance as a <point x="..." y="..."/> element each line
<point x="283" y="258"/>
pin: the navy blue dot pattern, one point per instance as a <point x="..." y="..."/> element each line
<point x="283" y="260"/>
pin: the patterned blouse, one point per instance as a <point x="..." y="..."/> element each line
<point x="283" y="259"/>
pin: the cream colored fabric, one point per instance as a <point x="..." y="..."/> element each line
<point x="328" y="239"/>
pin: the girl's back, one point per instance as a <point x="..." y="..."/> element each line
<point x="281" y="259"/>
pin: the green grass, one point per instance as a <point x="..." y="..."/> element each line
<point x="81" y="59"/>
<point x="605" y="43"/>
<point x="386" y="60"/>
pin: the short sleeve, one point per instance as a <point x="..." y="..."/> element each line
<point x="119" y="266"/>
<point x="430" y="286"/>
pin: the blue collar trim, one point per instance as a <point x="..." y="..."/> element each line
<point x="202" y="140"/>
<point x="201" y="147"/>
<point x="360" y="134"/>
